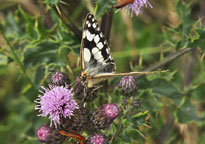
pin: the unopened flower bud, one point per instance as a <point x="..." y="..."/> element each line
<point x="59" y="79"/>
<point x="82" y="92"/>
<point x="125" y="101"/>
<point x="128" y="86"/>
<point x="77" y="121"/>
<point x="136" y="103"/>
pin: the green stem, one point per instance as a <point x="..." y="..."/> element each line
<point x="128" y="110"/>
<point x="16" y="59"/>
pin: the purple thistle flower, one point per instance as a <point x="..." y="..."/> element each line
<point x="49" y="135"/>
<point x="136" y="6"/>
<point x="97" y="138"/>
<point x="43" y="133"/>
<point x="111" y="110"/>
<point x="104" y="116"/>
<point x="57" y="101"/>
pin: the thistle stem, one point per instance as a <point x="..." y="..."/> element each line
<point x="128" y="110"/>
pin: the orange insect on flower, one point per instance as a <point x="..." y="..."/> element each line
<point x="122" y="3"/>
<point x="73" y="135"/>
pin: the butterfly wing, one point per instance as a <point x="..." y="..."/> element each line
<point x="95" y="53"/>
<point x="109" y="75"/>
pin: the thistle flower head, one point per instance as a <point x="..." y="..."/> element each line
<point x="128" y="85"/>
<point x="83" y="92"/>
<point x="136" y="6"/>
<point x="57" y="101"/>
<point x="43" y="133"/>
<point x="97" y="138"/>
<point x="104" y="116"/>
<point x="111" y="110"/>
<point x="48" y="135"/>
<point x="78" y="121"/>
<point x="59" y="78"/>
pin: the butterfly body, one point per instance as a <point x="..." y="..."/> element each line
<point x="89" y="80"/>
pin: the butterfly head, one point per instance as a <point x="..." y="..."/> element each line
<point x="84" y="76"/>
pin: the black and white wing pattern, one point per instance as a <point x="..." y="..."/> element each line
<point x="95" y="52"/>
<point x="97" y="63"/>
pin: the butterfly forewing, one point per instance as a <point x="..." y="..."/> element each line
<point x="96" y="61"/>
<point x="95" y="53"/>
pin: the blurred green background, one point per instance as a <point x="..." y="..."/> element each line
<point x="34" y="39"/>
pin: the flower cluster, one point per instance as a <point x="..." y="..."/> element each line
<point x="63" y="106"/>
<point x="66" y="104"/>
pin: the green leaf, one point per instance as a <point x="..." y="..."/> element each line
<point x="187" y="112"/>
<point x="135" y="133"/>
<point x="140" y="114"/>
<point x="3" y="59"/>
<point x="40" y="72"/>
<point x="166" y="89"/>
<point x="43" y="52"/>
<point x="102" y="7"/>
<point x="52" y="2"/>
<point x="63" y="52"/>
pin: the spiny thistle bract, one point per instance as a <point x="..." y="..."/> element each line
<point x="77" y="121"/>
<point x="59" y="79"/>
<point x="82" y="92"/>
<point x="128" y="86"/>
<point x="104" y="116"/>
<point x="136" y="103"/>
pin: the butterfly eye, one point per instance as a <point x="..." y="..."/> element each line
<point x="83" y="77"/>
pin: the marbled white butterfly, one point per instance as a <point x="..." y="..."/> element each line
<point x="97" y="63"/>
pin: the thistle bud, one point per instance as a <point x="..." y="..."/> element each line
<point x="77" y="121"/>
<point x="82" y="92"/>
<point x="47" y="135"/>
<point x="97" y="138"/>
<point x="128" y="86"/>
<point x="125" y="101"/>
<point x="136" y="103"/>
<point x="104" y="116"/>
<point x="59" y="79"/>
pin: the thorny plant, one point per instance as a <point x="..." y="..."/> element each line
<point x="68" y="104"/>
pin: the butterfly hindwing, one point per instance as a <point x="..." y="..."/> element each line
<point x="95" y="52"/>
